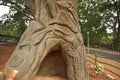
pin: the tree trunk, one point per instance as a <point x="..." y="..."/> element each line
<point x="52" y="44"/>
<point x="117" y="38"/>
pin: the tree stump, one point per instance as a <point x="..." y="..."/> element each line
<point x="52" y="44"/>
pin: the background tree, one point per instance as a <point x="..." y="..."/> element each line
<point x="14" y="23"/>
<point x="97" y="16"/>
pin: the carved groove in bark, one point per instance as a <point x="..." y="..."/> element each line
<point x="55" y="28"/>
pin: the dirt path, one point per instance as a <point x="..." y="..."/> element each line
<point x="5" y="53"/>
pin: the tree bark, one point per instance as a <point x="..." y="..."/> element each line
<point x="55" y="27"/>
<point x="117" y="37"/>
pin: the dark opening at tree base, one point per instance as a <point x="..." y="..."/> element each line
<point x="53" y="65"/>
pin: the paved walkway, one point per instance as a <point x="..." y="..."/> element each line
<point x="106" y="53"/>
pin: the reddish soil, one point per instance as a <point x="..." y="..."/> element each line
<point x="6" y="51"/>
<point x="107" y="68"/>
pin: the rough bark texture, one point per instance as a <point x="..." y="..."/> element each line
<point x="52" y="44"/>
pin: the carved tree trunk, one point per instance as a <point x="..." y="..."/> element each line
<point x="52" y="44"/>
